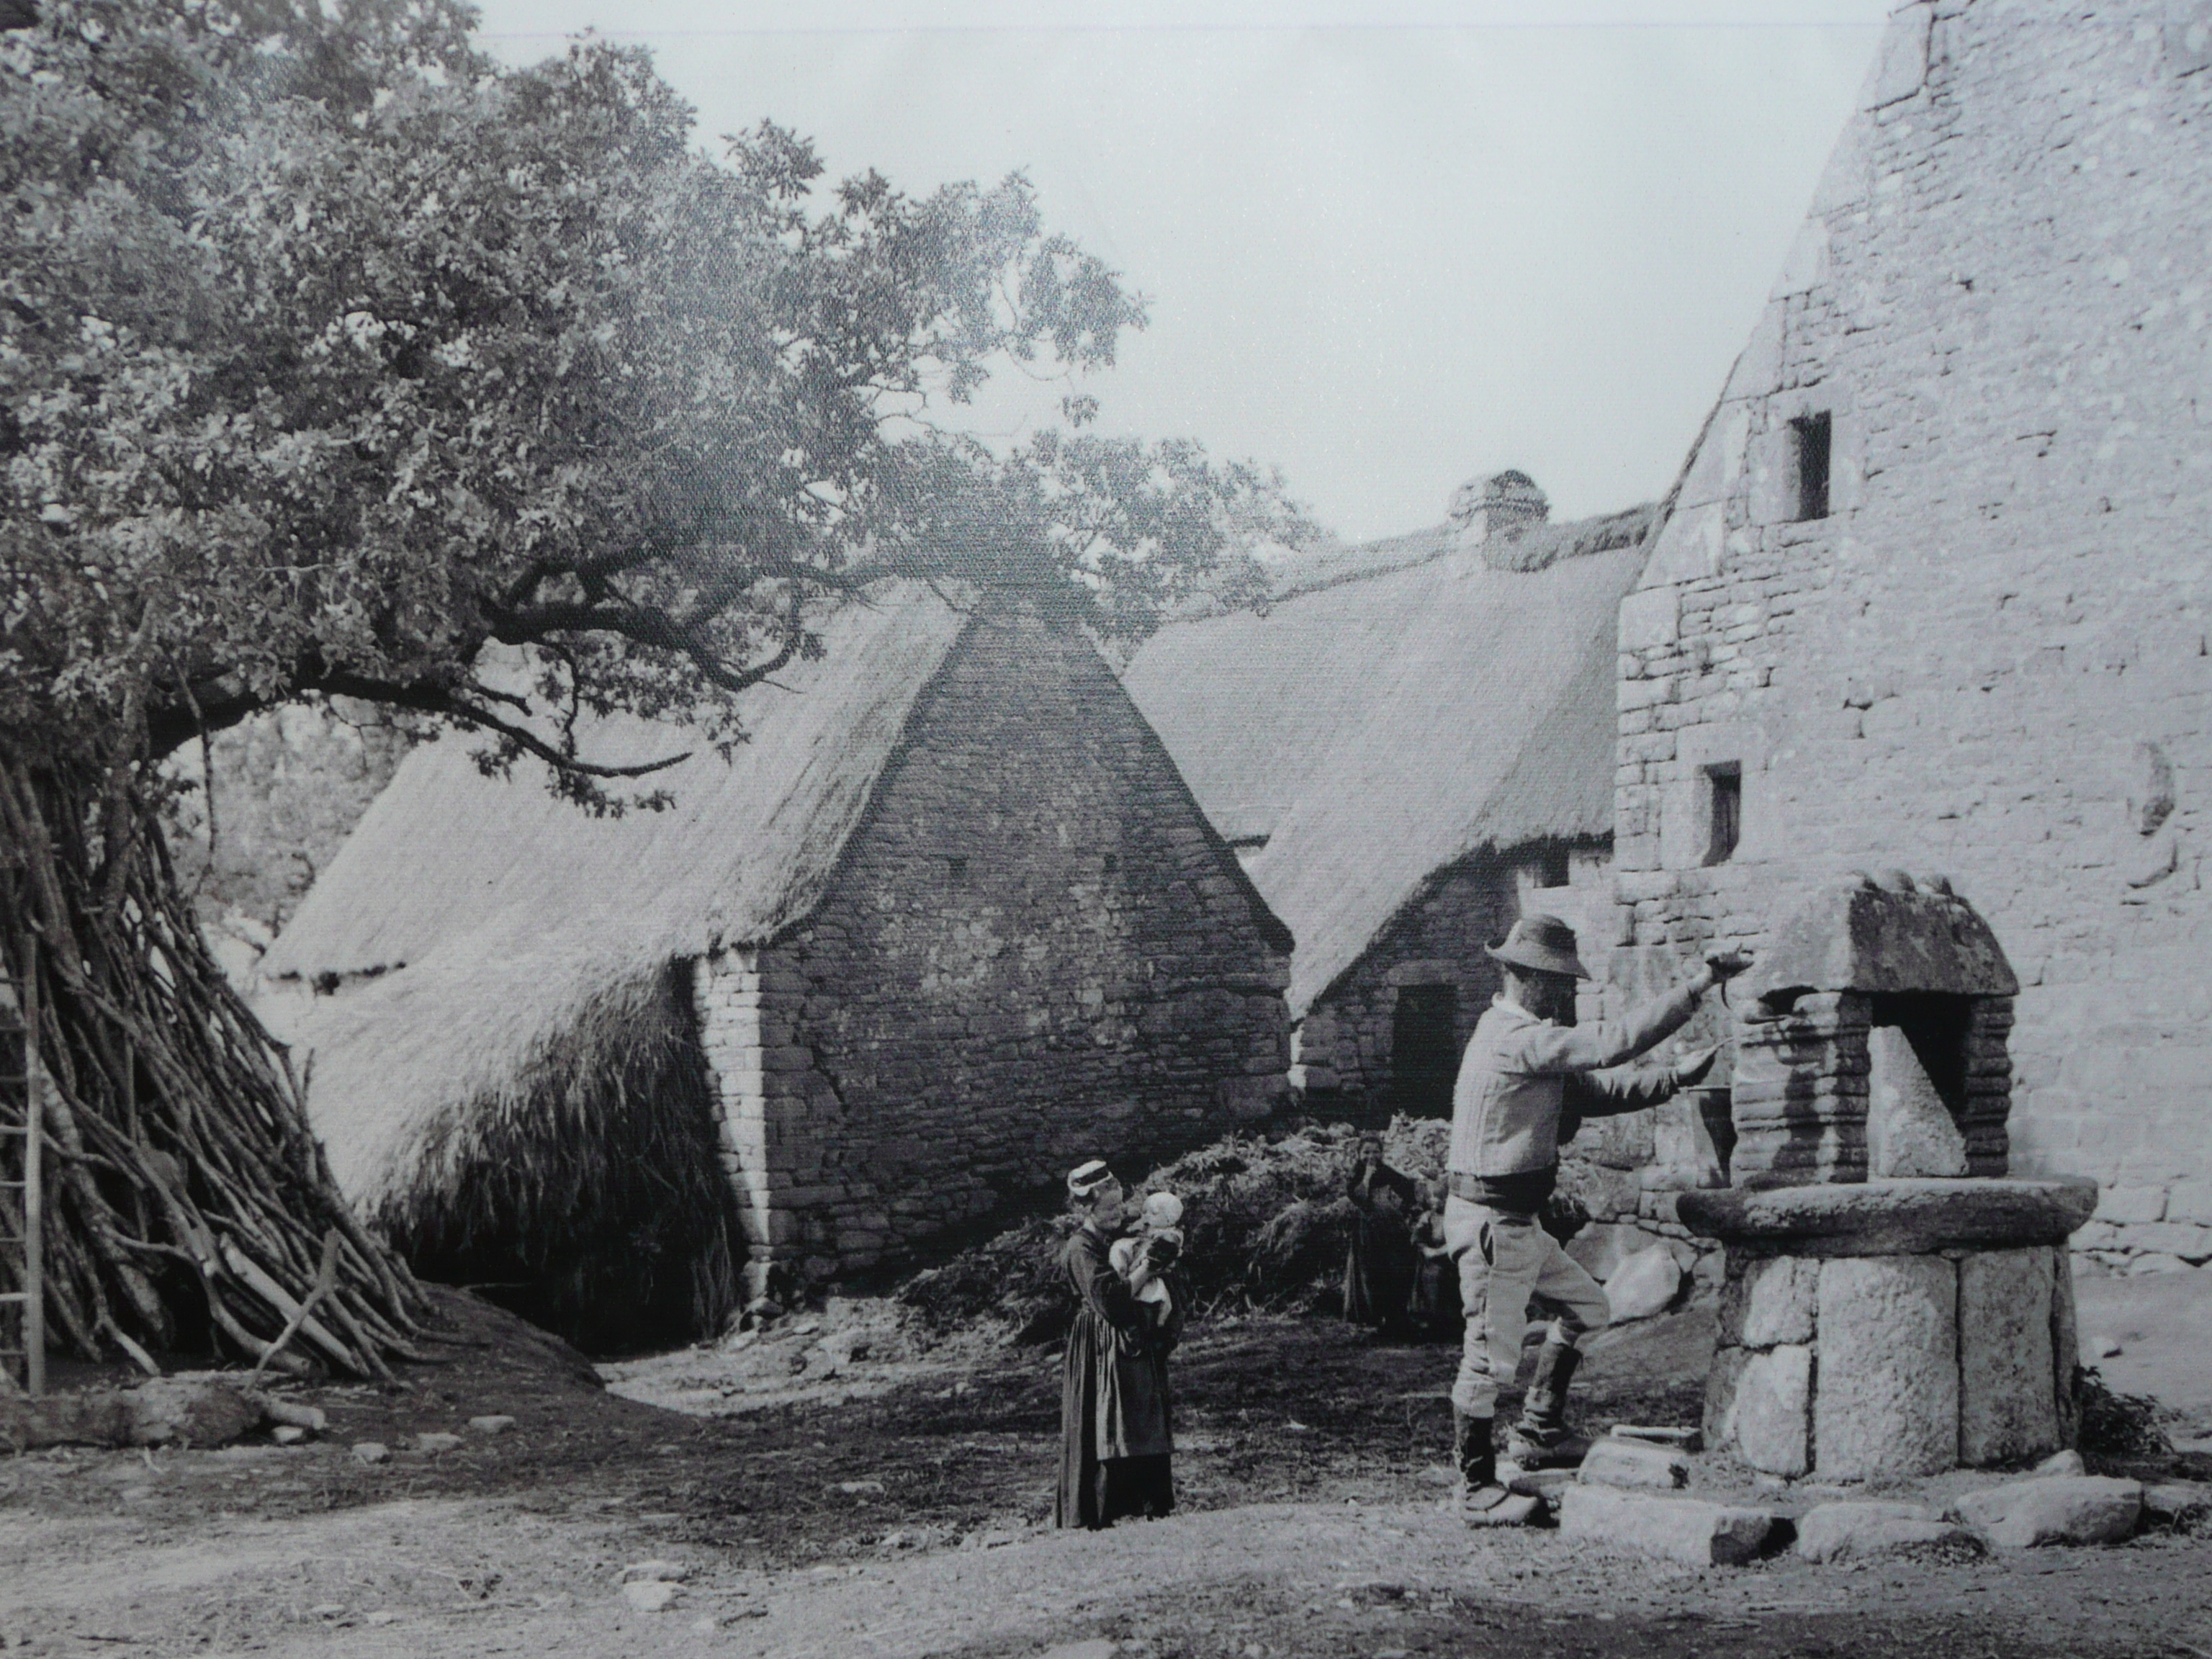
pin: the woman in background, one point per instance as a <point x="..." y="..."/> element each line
<point x="1116" y="1442"/>
<point x="1378" y="1262"/>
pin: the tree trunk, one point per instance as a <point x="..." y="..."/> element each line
<point x="189" y="1200"/>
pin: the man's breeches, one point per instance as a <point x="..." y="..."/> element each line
<point x="1503" y="1263"/>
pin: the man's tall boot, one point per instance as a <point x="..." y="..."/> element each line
<point x="1540" y="1438"/>
<point x="1482" y="1501"/>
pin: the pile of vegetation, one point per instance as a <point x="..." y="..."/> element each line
<point x="1267" y="1223"/>
<point x="2115" y="1427"/>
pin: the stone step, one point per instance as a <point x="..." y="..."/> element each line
<point x="1635" y="1463"/>
<point x="1685" y="1529"/>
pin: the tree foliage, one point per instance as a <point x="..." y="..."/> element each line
<point x="330" y="355"/>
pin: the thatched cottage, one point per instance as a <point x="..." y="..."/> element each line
<point x="1410" y="745"/>
<point x="947" y="923"/>
<point x="1934" y="595"/>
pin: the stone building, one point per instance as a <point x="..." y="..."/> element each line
<point x="946" y="923"/>
<point x="1410" y="745"/>
<point x="1931" y="594"/>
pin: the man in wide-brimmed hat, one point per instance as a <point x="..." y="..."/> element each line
<point x="1527" y="1079"/>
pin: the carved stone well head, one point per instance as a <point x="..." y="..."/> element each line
<point x="1894" y="1303"/>
<point x="1871" y="1039"/>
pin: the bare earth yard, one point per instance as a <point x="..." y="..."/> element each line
<point x="890" y="1505"/>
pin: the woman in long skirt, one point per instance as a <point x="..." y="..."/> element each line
<point x="1116" y="1442"/>
<point x="1378" y="1260"/>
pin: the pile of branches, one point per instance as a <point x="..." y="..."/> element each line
<point x="187" y="1203"/>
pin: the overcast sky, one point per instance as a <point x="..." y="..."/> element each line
<point x="1386" y="249"/>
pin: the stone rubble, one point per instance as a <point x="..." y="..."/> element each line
<point x="2046" y="1510"/>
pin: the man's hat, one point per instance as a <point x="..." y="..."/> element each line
<point x="1085" y="1179"/>
<point x="1543" y="943"/>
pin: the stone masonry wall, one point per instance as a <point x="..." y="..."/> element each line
<point x="1035" y="951"/>
<point x="1344" y="1043"/>
<point x="1989" y="658"/>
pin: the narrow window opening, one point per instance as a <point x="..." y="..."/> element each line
<point x="956" y="872"/>
<point x="1809" y="437"/>
<point x="1551" y="869"/>
<point x="1725" y="785"/>
<point x="1113" y="863"/>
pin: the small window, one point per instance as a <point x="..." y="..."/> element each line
<point x="1725" y="791"/>
<point x="956" y="872"/>
<point x="1809" y="437"/>
<point x="1551" y="867"/>
<point x="1113" y="863"/>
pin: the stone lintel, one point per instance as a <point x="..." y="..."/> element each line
<point x="1868" y="938"/>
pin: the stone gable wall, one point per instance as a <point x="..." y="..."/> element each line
<point x="1989" y="660"/>
<point x="1344" y="1043"/>
<point x="1035" y="952"/>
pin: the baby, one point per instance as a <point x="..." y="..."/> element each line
<point x="1159" y="1238"/>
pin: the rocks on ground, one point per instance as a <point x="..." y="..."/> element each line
<point x="1869" y="1530"/>
<point x="2177" y="1505"/>
<point x="1690" y="1530"/>
<point x="650" y="1595"/>
<point x="2053" y="1509"/>
<point x="1623" y="1462"/>
<point x="194" y="1409"/>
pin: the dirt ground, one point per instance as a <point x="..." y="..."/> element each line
<point x="868" y="1495"/>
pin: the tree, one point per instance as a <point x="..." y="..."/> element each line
<point x="331" y="356"/>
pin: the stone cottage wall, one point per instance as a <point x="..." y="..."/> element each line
<point x="1989" y="658"/>
<point x="1344" y="1046"/>
<point x="1035" y="952"/>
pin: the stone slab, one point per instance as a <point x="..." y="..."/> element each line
<point x="1891" y="1218"/>
<point x="1636" y="1464"/>
<point x="1888" y="1400"/>
<point x="1769" y="1300"/>
<point x="1685" y="1529"/>
<point x="2008" y="1387"/>
<point x="1869" y="1530"/>
<point x="1853" y="935"/>
<point x="2082" y="1508"/>
<point x="1773" y="1418"/>
<point x="1910" y="1131"/>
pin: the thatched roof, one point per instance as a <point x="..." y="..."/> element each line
<point x="1379" y="728"/>
<point x="518" y="941"/>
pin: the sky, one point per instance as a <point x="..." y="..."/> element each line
<point x="1385" y="249"/>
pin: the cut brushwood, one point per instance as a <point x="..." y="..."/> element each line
<point x="187" y="1186"/>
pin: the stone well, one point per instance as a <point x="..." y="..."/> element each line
<point x="1894" y="1304"/>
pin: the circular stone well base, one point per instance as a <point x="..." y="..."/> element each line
<point x="1890" y="1328"/>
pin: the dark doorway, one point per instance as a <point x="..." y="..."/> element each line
<point x="1424" y="1050"/>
